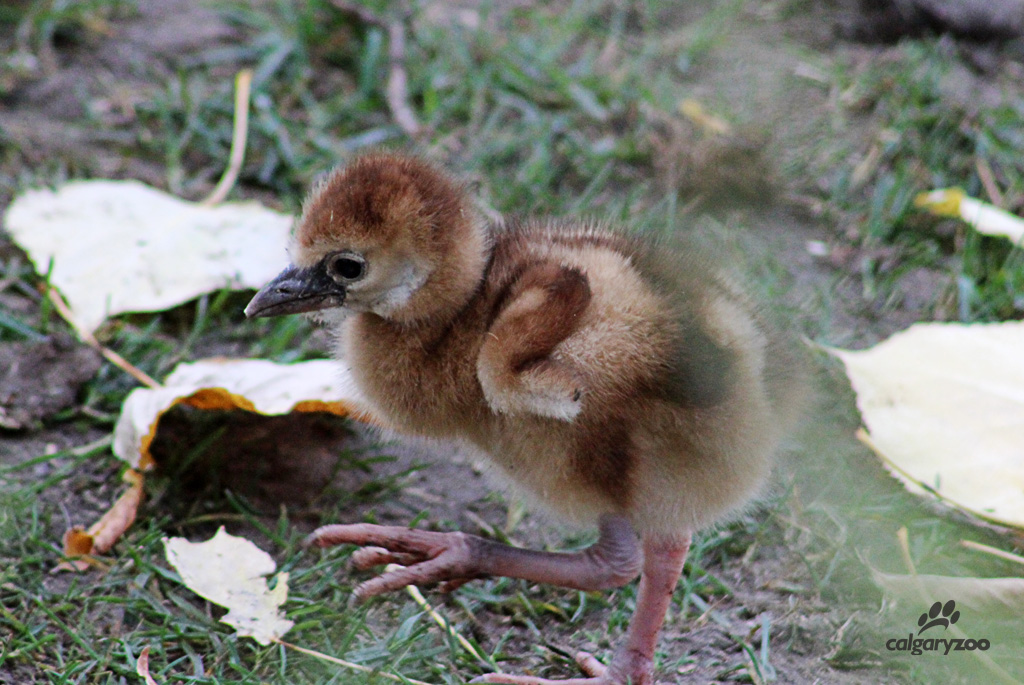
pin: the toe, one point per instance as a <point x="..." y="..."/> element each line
<point x="426" y="573"/>
<point x="368" y="557"/>
<point x="393" y="538"/>
<point x="589" y="664"/>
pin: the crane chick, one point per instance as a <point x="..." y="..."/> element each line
<point x="617" y="382"/>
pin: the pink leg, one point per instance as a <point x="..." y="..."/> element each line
<point x="633" y="663"/>
<point x="454" y="558"/>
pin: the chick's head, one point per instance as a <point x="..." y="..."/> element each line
<point x="386" y="234"/>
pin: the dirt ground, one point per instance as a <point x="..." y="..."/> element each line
<point x="812" y="638"/>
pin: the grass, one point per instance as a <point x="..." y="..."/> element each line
<point x="546" y="110"/>
<point x="934" y="132"/>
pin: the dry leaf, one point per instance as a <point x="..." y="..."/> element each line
<point x="705" y="121"/>
<point x="102" y="535"/>
<point x="228" y="571"/>
<point x="253" y="385"/>
<point x="944" y="408"/>
<point x="982" y="216"/>
<point x="142" y="666"/>
<point x="991" y="598"/>
<point x="121" y="246"/>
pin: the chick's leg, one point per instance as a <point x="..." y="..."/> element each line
<point x="633" y="662"/>
<point x="454" y="558"/>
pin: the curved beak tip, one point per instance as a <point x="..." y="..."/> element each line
<point x="295" y="291"/>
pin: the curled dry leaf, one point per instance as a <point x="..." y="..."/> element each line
<point x="122" y="246"/>
<point x="253" y="385"/>
<point x="229" y="571"/>
<point x="80" y="544"/>
<point x="944" y="408"/>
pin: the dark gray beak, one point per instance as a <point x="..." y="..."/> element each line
<point x="295" y="291"/>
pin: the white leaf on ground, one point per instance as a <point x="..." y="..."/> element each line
<point x="944" y="408"/>
<point x="122" y="246"/>
<point x="254" y="385"/>
<point x="228" y="571"/>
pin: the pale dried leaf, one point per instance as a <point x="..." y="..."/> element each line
<point x="992" y="598"/>
<point x="229" y="571"/>
<point x="944" y="408"/>
<point x="253" y="385"/>
<point x="122" y="246"/>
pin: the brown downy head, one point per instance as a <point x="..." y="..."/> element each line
<point x="386" y="234"/>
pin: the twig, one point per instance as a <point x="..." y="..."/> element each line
<point x="88" y="338"/>
<point x="904" y="540"/>
<point x="978" y="547"/>
<point x="418" y="597"/>
<point x="988" y="180"/>
<point x="397" y="90"/>
<point x="349" y="664"/>
<point x="239" y="135"/>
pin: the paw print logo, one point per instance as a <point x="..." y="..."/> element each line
<point x="932" y="617"/>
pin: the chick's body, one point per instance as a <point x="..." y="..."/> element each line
<point x="609" y="377"/>
<point x="640" y="428"/>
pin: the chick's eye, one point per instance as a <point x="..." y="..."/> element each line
<point x="347" y="267"/>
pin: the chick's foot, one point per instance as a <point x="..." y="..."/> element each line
<point x="428" y="558"/>
<point x="425" y="557"/>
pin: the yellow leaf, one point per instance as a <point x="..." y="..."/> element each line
<point x="983" y="217"/>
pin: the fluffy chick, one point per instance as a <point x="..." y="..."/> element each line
<point x="615" y="381"/>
